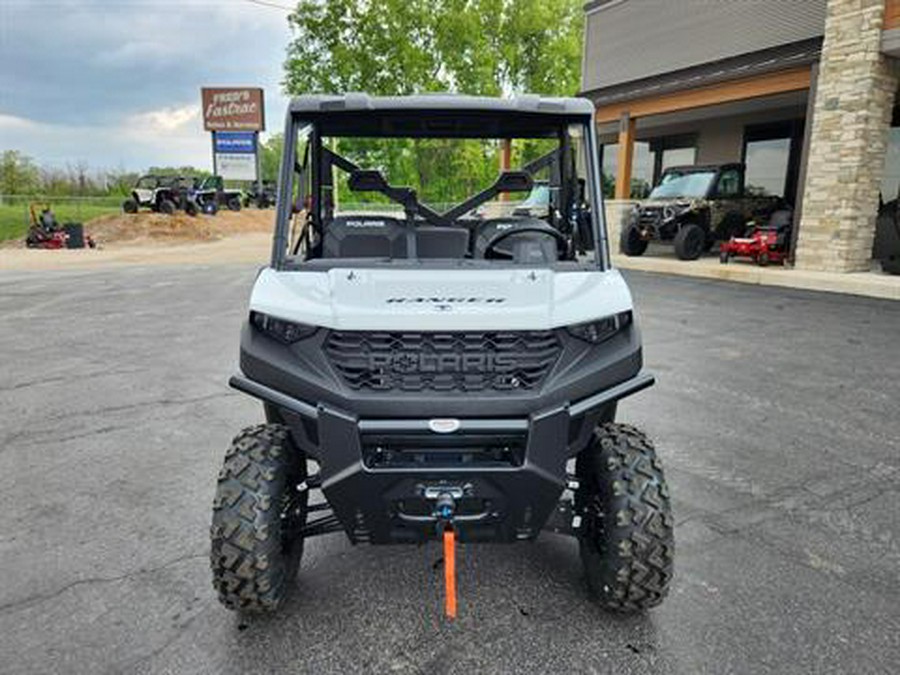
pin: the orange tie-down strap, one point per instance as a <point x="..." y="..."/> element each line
<point x="450" y="573"/>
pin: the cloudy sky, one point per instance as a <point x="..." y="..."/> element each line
<point x="116" y="83"/>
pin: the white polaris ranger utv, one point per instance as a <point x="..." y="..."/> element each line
<point x="437" y="358"/>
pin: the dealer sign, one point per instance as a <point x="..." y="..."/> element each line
<point x="233" y="109"/>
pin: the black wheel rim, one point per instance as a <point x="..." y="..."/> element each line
<point x="594" y="532"/>
<point x="293" y="514"/>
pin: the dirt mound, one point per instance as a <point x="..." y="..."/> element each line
<point x="125" y="228"/>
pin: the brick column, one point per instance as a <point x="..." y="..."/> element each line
<point x="852" y="116"/>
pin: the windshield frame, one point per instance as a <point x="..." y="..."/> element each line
<point x="282" y="259"/>
<point x="684" y="173"/>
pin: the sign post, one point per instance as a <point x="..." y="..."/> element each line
<point x="235" y="116"/>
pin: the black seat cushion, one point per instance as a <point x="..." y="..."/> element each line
<point x="441" y="242"/>
<point x="364" y="237"/>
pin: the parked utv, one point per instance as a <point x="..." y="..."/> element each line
<point x="426" y="374"/>
<point x="211" y="190"/>
<point x="163" y="194"/>
<point x="694" y="207"/>
<point x="886" y="247"/>
<point x="262" y="198"/>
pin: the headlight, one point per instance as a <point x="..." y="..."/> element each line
<point x="286" y="332"/>
<point x="600" y="330"/>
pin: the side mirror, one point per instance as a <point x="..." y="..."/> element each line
<point x="514" y="181"/>
<point x="367" y="180"/>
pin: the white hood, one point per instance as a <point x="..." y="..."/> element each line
<point x="433" y="299"/>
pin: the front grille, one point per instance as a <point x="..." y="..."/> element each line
<point x="403" y="451"/>
<point x="496" y="361"/>
<point x="650" y="214"/>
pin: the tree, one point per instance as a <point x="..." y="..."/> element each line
<point x="395" y="47"/>
<point x="270" y="156"/>
<point x="178" y="171"/>
<point x="18" y="174"/>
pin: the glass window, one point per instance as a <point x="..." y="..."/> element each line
<point x="678" y="157"/>
<point x="434" y="193"/>
<point x="890" y="183"/>
<point x="729" y="184"/>
<point x="675" y="184"/>
<point x="609" y="169"/>
<point x="767" y="166"/>
<point x="641" y="169"/>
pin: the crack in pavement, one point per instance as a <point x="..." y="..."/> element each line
<point x="74" y="377"/>
<point x="38" y="598"/>
<point x="825" y="510"/>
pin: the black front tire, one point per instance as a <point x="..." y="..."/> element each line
<point x="234" y="204"/>
<point x="690" y="241"/>
<point x="631" y="243"/>
<point x="191" y="208"/>
<point x="626" y="536"/>
<point x="130" y="206"/>
<point x="167" y="206"/>
<point x="258" y="513"/>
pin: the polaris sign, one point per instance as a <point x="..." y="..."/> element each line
<point x="235" y="116"/>
<point x="235" y="154"/>
<point x="235" y="142"/>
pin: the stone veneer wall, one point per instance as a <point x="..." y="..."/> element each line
<point x="851" y="120"/>
<point x="617" y="210"/>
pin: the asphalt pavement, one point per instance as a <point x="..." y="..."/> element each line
<point x="776" y="415"/>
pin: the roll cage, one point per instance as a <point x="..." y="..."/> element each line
<point x="431" y="121"/>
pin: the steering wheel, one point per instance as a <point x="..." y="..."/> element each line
<point x="562" y="242"/>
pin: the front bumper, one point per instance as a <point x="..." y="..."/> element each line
<point x="383" y="477"/>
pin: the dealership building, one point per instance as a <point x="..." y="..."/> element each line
<point x="802" y="92"/>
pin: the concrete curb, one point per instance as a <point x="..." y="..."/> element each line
<point x="868" y="284"/>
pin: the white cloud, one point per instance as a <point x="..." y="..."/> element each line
<point x="120" y="81"/>
<point x="167" y="137"/>
<point x="165" y="120"/>
<point x="11" y="123"/>
<point x="140" y="53"/>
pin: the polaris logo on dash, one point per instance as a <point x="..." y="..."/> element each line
<point x="446" y="301"/>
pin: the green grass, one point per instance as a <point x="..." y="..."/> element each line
<point x="15" y="218"/>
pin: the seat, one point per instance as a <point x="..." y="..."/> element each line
<point x="364" y="237"/>
<point x="441" y="242"/>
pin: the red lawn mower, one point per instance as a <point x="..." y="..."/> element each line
<point x="46" y="232"/>
<point x="762" y="244"/>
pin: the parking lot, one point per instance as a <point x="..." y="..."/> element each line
<point x="776" y="415"/>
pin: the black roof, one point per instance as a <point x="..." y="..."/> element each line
<point x="440" y="115"/>
<point x="525" y="103"/>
